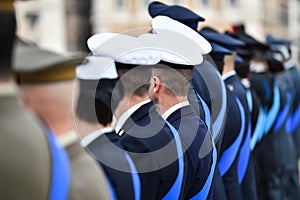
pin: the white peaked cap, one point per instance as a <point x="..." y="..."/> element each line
<point x="97" y="68"/>
<point x="174" y="47"/>
<point x="162" y="23"/>
<point x="96" y="40"/>
<point x="122" y="48"/>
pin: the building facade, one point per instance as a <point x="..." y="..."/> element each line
<point x="67" y="23"/>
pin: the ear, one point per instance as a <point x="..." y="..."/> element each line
<point x="156" y="84"/>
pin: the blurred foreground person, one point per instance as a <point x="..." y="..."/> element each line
<point x="33" y="165"/>
<point x="97" y="79"/>
<point x="46" y="82"/>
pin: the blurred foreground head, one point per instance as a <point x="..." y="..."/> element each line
<point x="46" y="81"/>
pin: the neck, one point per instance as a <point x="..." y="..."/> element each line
<point x="60" y="125"/>
<point x="84" y="128"/>
<point x="168" y="101"/>
<point x="128" y="102"/>
<point x="227" y="70"/>
<point x="228" y="63"/>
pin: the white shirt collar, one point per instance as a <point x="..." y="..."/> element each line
<point x="68" y="138"/>
<point x="8" y="88"/>
<point x="227" y="75"/>
<point x="289" y="64"/>
<point x="94" y="135"/>
<point x="168" y="112"/>
<point x="121" y="121"/>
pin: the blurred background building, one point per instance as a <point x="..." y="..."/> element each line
<point x="65" y="25"/>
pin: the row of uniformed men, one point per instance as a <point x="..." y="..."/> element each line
<point x="165" y="140"/>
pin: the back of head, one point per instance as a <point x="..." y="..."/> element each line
<point x="97" y="77"/>
<point x="94" y="101"/>
<point x="176" y="81"/>
<point x="134" y="81"/>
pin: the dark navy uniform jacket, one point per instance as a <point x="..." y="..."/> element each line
<point x="115" y="164"/>
<point x="149" y="142"/>
<point x="257" y="119"/>
<point x="232" y="140"/>
<point x="245" y="169"/>
<point x="265" y="86"/>
<point x="208" y="87"/>
<point x="276" y="172"/>
<point x="197" y="144"/>
<point x="293" y="125"/>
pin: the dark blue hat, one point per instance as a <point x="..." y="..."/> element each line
<point x="274" y="60"/>
<point x="238" y="59"/>
<point x="218" y="52"/>
<point x="277" y="41"/>
<point x="176" y="12"/>
<point x="223" y="39"/>
<point x="247" y="39"/>
<point x="216" y="48"/>
<point x="245" y="54"/>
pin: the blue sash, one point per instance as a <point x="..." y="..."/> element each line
<point x="230" y="153"/>
<point x="112" y="193"/>
<point x="135" y="178"/>
<point x="259" y="129"/>
<point x="135" y="181"/>
<point x="273" y="112"/>
<point x="293" y="121"/>
<point x="60" y="182"/>
<point x="249" y="100"/>
<point x="245" y="149"/>
<point x="282" y="116"/>
<point x="205" y="190"/>
<point x="217" y="125"/>
<point x="206" y="110"/>
<point x="244" y="156"/>
<point x="175" y="190"/>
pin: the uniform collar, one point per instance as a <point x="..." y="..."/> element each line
<point x="171" y="110"/>
<point x="289" y="64"/>
<point x="94" y="135"/>
<point x="228" y="75"/>
<point x="8" y="88"/>
<point x="68" y="138"/>
<point x="121" y="121"/>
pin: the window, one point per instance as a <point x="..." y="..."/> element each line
<point x="205" y="3"/>
<point x="284" y="15"/>
<point x="232" y="3"/>
<point x="120" y="4"/>
<point x="176" y="2"/>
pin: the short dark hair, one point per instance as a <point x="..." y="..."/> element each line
<point x="7" y="37"/>
<point x="178" y="81"/>
<point x="135" y="81"/>
<point x="93" y="107"/>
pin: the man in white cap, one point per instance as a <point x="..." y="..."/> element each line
<point x="97" y="79"/>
